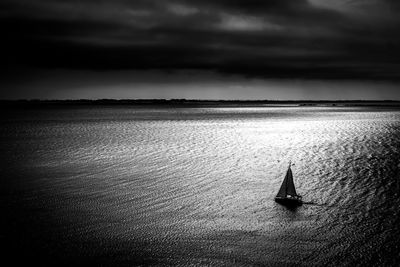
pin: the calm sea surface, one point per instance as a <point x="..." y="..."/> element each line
<point x="164" y="186"/>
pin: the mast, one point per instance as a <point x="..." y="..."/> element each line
<point x="286" y="187"/>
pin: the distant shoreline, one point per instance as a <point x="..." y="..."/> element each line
<point x="196" y="103"/>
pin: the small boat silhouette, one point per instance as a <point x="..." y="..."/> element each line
<point x="287" y="193"/>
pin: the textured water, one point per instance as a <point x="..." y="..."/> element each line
<point x="163" y="186"/>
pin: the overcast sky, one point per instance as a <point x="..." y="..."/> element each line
<point x="225" y="49"/>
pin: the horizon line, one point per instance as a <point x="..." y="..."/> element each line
<point x="190" y="100"/>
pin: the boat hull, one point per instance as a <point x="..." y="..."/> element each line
<point x="289" y="201"/>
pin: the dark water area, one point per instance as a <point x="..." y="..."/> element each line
<point x="127" y="186"/>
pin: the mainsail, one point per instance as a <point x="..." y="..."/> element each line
<point x="287" y="187"/>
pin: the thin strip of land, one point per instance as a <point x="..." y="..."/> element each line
<point x="194" y="103"/>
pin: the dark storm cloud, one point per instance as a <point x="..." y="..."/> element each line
<point x="276" y="38"/>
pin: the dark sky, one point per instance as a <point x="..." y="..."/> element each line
<point x="248" y="49"/>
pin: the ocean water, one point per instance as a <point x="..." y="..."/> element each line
<point x="130" y="186"/>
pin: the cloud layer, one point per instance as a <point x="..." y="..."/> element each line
<point x="315" y="39"/>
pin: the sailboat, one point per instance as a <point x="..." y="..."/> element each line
<point x="287" y="193"/>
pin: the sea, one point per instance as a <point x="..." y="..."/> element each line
<point x="164" y="186"/>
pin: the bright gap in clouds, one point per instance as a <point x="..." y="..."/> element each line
<point x="190" y="85"/>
